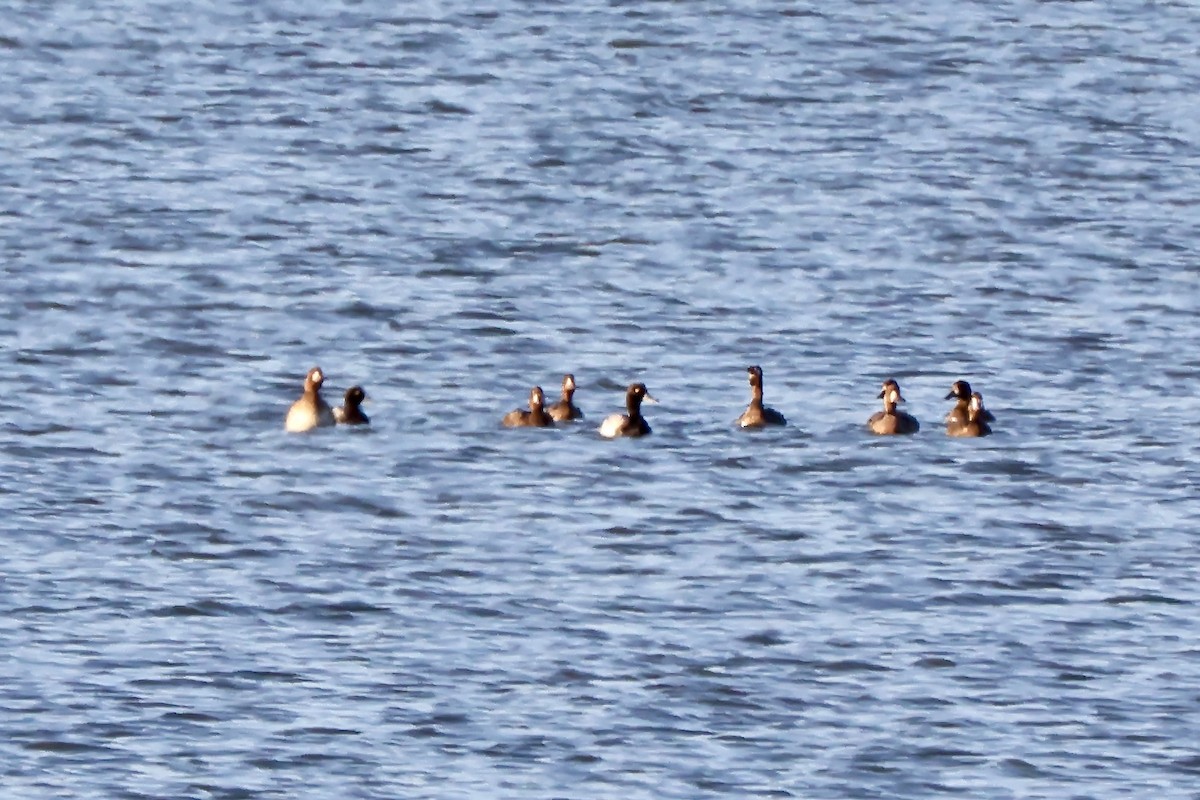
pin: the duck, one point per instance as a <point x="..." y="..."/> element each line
<point x="311" y="410"/>
<point x="535" y="417"/>
<point x="565" y="409"/>
<point x="891" y="420"/>
<point x="961" y="391"/>
<point x="756" y="414"/>
<point x="633" y="423"/>
<point x="976" y="421"/>
<point x="350" y="411"/>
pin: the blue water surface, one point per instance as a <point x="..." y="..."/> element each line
<point x="448" y="203"/>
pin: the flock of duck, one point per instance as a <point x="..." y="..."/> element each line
<point x="968" y="417"/>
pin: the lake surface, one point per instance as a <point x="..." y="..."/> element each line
<point x="450" y="202"/>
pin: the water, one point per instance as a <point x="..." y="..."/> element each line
<point x="448" y="203"/>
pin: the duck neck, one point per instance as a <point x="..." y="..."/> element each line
<point x="756" y="394"/>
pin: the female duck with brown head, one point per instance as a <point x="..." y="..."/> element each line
<point x="958" y="416"/>
<point x="350" y="411"/>
<point x="311" y="410"/>
<point x="891" y="420"/>
<point x="976" y="421"/>
<point x="632" y="423"/>
<point x="756" y="414"/>
<point x="535" y="417"/>
<point x="565" y="409"/>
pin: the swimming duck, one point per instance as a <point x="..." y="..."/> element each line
<point x="350" y="413"/>
<point x="891" y="420"/>
<point x="310" y="411"/>
<point x="976" y="421"/>
<point x="633" y="423"/>
<point x="565" y="409"/>
<point x="756" y="414"/>
<point x="961" y="390"/>
<point x="535" y="417"/>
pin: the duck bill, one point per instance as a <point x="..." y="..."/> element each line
<point x="648" y="399"/>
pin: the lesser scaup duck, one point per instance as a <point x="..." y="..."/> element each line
<point x="891" y="420"/>
<point x="535" y="417"/>
<point x="756" y="414"/>
<point x="350" y="413"/>
<point x="565" y="409"/>
<point x="633" y="423"/>
<point x="976" y="422"/>
<point x="311" y="410"/>
<point x="958" y="416"/>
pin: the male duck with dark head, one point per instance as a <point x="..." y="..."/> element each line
<point x="535" y="417"/>
<point x="976" y="421"/>
<point x="350" y="411"/>
<point x="960" y="391"/>
<point x="756" y="414"/>
<point x="892" y="420"/>
<point x="565" y="409"/>
<point x="311" y="410"/>
<point x="632" y="423"/>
